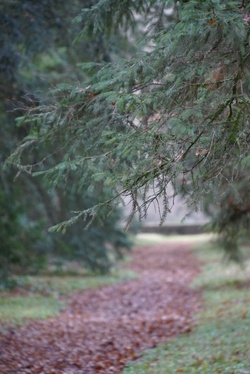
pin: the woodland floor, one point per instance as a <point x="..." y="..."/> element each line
<point x="101" y="330"/>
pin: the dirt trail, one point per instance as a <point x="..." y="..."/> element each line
<point x="103" y="329"/>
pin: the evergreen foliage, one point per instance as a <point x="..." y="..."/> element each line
<point x="36" y="52"/>
<point x="175" y="113"/>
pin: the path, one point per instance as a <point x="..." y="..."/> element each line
<point x="103" y="329"/>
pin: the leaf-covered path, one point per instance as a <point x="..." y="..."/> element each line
<point x="103" y="329"/>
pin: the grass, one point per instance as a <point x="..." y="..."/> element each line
<point x="41" y="296"/>
<point x="220" y="343"/>
<point x="62" y="285"/>
<point x="151" y="238"/>
<point x="15" y="310"/>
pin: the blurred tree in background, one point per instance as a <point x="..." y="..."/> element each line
<point x="36" y="53"/>
<point x="175" y="113"/>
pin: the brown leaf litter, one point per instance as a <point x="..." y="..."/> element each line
<point x="101" y="330"/>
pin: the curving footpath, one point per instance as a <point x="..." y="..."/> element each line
<point x="102" y="329"/>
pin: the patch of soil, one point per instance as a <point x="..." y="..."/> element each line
<point x="103" y="329"/>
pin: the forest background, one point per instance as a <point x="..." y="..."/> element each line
<point x="37" y="53"/>
<point x="164" y="95"/>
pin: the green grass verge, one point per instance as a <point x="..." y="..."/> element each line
<point x="59" y="285"/>
<point x="151" y="238"/>
<point x="40" y="296"/>
<point x="221" y="342"/>
<point x="14" y="310"/>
